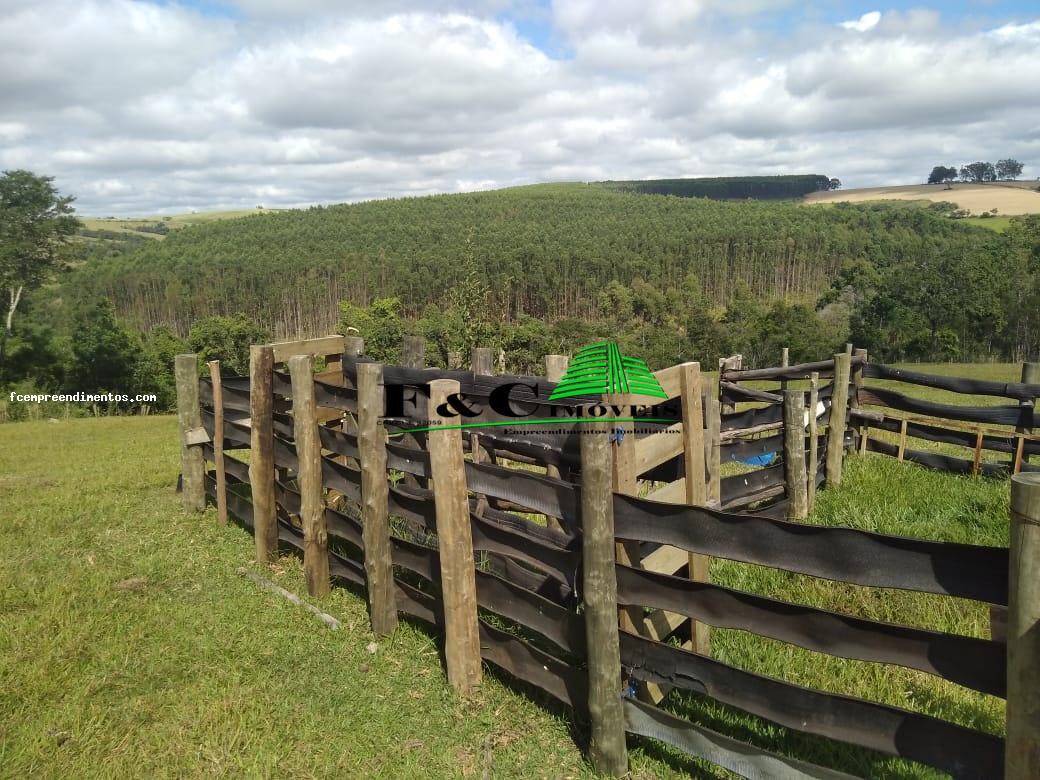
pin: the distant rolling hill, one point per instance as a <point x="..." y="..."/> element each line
<point x="1008" y="198"/>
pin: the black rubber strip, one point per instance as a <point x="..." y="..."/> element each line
<point x="961" y="751"/>
<point x="996" y="415"/>
<point x="948" y="463"/>
<point x="842" y="554"/>
<point x="1015" y="390"/>
<point x="738" y="757"/>
<point x="979" y="664"/>
<point x="993" y="442"/>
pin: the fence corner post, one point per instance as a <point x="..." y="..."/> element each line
<point x="455" y="542"/>
<point x="1022" y="747"/>
<point x="794" y="455"/>
<point x="308" y="457"/>
<point x="837" y="418"/>
<point x="218" y="440"/>
<point x="261" y="451"/>
<point x="607" y="749"/>
<point x="189" y="418"/>
<point x="375" y="517"/>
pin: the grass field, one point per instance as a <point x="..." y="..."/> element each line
<point x="130" y="645"/>
<point x="1008" y="198"/>
<point x="998" y="224"/>
<point x="172" y="221"/>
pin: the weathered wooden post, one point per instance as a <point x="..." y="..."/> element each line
<point x="624" y="480"/>
<point x="413" y="352"/>
<point x="455" y="542"/>
<point x="733" y="363"/>
<point x="1022" y="747"/>
<point x="696" y="484"/>
<point x="483" y="360"/>
<point x="856" y="373"/>
<point x="785" y="361"/>
<point x="837" y="418"/>
<point x="599" y="590"/>
<point x="189" y="419"/>
<point x="308" y="456"/>
<point x="261" y="451"/>
<point x="814" y="445"/>
<point x="794" y="454"/>
<point x="714" y="451"/>
<point x="379" y="573"/>
<point x="556" y="367"/>
<point x="218" y="439"/>
<point x="1027" y="410"/>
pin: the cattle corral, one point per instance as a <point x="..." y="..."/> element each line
<point x="322" y="489"/>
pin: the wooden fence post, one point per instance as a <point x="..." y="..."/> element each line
<point x="714" y="450"/>
<point x="189" y="419"/>
<point x="413" y="352"/>
<point x="556" y="367"/>
<point x="794" y="454"/>
<point x="856" y="373"/>
<point x="455" y="542"/>
<point x="733" y="363"/>
<point x="218" y="439"/>
<point x="785" y="361"/>
<point x="624" y="480"/>
<point x="483" y="360"/>
<point x="1030" y="376"/>
<point x="375" y="517"/>
<point x="261" y="451"/>
<point x="308" y="456"/>
<point x="599" y="592"/>
<point x="696" y="485"/>
<point x="814" y="445"/>
<point x="1022" y="747"/>
<point x="836" y="420"/>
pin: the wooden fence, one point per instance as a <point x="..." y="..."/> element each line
<point x="577" y="562"/>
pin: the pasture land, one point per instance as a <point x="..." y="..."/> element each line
<point x="1008" y="198"/>
<point x="129" y="644"/>
<point x="134" y="225"/>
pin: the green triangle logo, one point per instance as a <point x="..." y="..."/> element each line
<point x="601" y="368"/>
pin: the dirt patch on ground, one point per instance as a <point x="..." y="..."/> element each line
<point x="1007" y="198"/>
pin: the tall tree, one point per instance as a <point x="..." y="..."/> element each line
<point x="35" y="223"/>
<point x="978" y="172"/>
<point x="942" y="173"/>
<point x="1009" y="169"/>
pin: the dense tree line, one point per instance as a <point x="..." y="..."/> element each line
<point x="731" y="187"/>
<point x="1008" y="169"/>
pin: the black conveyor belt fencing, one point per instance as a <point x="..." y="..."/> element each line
<point x="524" y="499"/>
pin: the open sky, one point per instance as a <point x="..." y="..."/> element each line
<point x="153" y="107"/>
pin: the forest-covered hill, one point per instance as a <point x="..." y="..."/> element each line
<point x="546" y="251"/>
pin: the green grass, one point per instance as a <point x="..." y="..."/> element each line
<point x="999" y="224"/>
<point x="196" y="671"/>
<point x="877" y="494"/>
